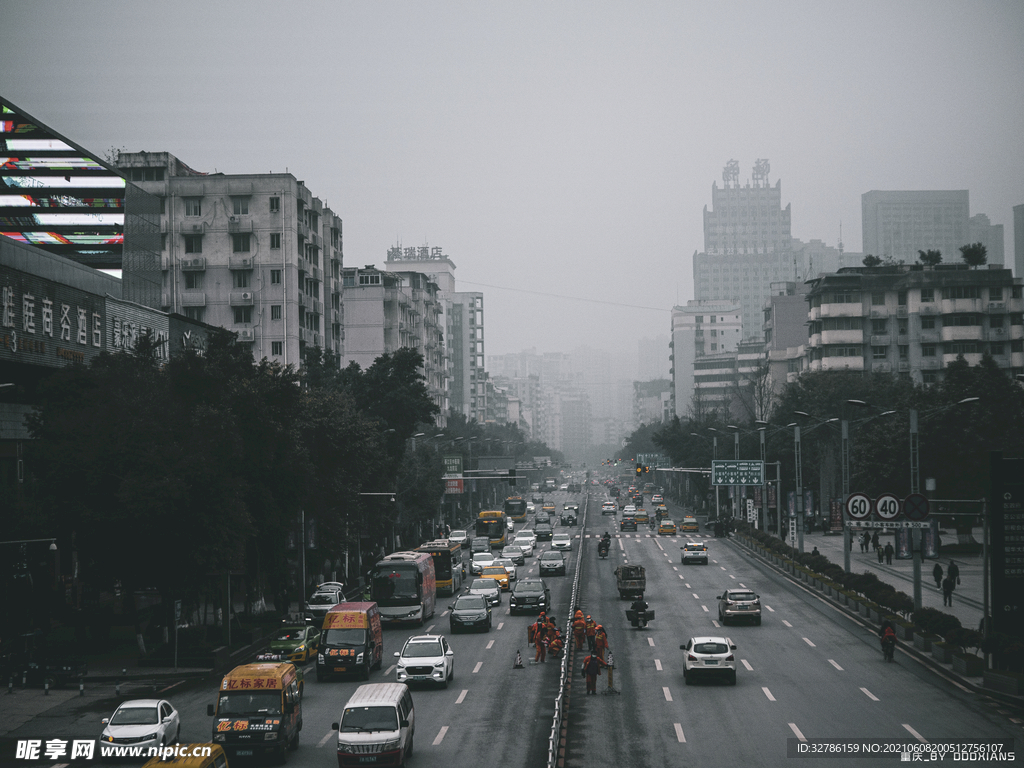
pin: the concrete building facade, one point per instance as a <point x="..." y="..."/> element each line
<point x="701" y="328"/>
<point x="981" y="230"/>
<point x="1018" y="240"/>
<point x="898" y="224"/>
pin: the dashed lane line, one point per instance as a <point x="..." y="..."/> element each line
<point x="742" y="585"/>
<point x="650" y="641"/>
<point x="326" y="738"/>
<point x="705" y="609"/>
<point x="445" y="613"/>
<point x="695" y="596"/>
<point x="657" y="664"/>
<point x="659" y="545"/>
<point x="427" y="630"/>
<point x="679" y="733"/>
<point x="722" y="567"/>
<point x="869" y="694"/>
<point x="389" y="670"/>
<point x="747" y="665"/>
<point x="772" y="610"/>
<point x="477" y="667"/>
<point x="731" y="576"/>
<point x="501" y="624"/>
<point x="715" y="623"/>
<point x="668" y="693"/>
<point x="685" y="585"/>
<point x="490" y="645"/>
<point x="675" y="567"/>
<point x="768" y="694"/>
<point x="787" y="623"/>
<point x="834" y="664"/>
<point x="440" y="735"/>
<point x="915" y="734"/>
<point x="462" y="696"/>
<point x="809" y="643"/>
<point x="681" y="576"/>
<point x="796" y="732"/>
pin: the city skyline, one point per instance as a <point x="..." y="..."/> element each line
<point x="562" y="158"/>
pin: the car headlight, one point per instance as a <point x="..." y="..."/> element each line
<point x="390" y="745"/>
<point x="270" y="736"/>
<point x="344" y="748"/>
<point x="300" y="649"/>
<point x="320" y="658"/>
<point x="359" y="659"/>
<point x="149" y="736"/>
<point x="220" y="737"/>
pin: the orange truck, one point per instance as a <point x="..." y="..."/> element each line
<point x="351" y="641"/>
<point x="258" y="710"/>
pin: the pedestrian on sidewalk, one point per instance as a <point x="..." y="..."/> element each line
<point x="947" y="591"/>
<point x="880" y="552"/>
<point x="889" y="551"/>
<point x="864" y="542"/>
<point x="954" y="572"/>
<point x="937" y="575"/>
<point x="874" y="542"/>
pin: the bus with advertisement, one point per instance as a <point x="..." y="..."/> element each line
<point x="515" y="507"/>
<point x="447" y="564"/>
<point x="492" y="524"/>
<point x="404" y="588"/>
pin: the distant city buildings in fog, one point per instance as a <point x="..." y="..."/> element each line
<point x="1018" y="240"/>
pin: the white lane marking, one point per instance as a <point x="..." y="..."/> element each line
<point x="695" y="596"/>
<point x="731" y="576"/>
<point x="705" y="609"/>
<point x="462" y="696"/>
<point x="440" y="735"/>
<point x="915" y="734"/>
<point x="768" y="694"/>
<point x="685" y="585"/>
<point x="716" y="563"/>
<point x="659" y="545"/>
<point x="810" y="643"/>
<point x="796" y="731"/>
<point x="650" y="641"/>
<point x="681" y="576"/>
<point x="501" y="624"/>
<point x="427" y="630"/>
<point x="787" y="623"/>
<point x="747" y="665"/>
<point x="477" y="667"/>
<point x="326" y="738"/>
<point x="833" y="663"/>
<point x="715" y="623"/>
<point x="721" y="566"/>
<point x="657" y="664"/>
<point x="389" y="670"/>
<point x="621" y="546"/>
<point x="742" y="585"/>
<point x="668" y="694"/>
<point x="509" y="611"/>
<point x="869" y="694"/>
<point x="679" y="733"/>
<point x="675" y="567"/>
<point x="445" y="613"/>
<point x="490" y="645"/>
<point x="770" y="608"/>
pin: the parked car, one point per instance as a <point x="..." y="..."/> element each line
<point x="709" y="657"/>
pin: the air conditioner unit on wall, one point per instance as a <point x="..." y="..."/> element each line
<point x="247" y="296"/>
<point x="246" y="334"/>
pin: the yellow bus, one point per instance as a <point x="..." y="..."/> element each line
<point x="491" y="523"/>
<point x="447" y="564"/>
<point x="515" y="507"/>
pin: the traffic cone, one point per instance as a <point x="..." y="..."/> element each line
<point x="519" y="661"/>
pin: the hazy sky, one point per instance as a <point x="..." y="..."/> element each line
<point x="555" y="147"/>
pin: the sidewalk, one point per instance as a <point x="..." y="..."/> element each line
<point x="968" y="599"/>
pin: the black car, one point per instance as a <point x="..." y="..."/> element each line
<point x="542" y="518"/>
<point x="552" y="562"/>
<point x="544" y="531"/>
<point x="537" y="500"/>
<point x="470" y="612"/>
<point x="530" y="594"/>
<point x="627" y="524"/>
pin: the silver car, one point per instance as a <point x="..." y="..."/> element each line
<point x="739" y="604"/>
<point x="142" y="723"/>
<point x="490" y="589"/>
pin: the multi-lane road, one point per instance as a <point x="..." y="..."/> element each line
<point x="808" y="672"/>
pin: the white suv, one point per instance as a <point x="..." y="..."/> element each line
<point x="709" y="657"/>
<point x="694" y="552"/>
<point x="426" y="658"/>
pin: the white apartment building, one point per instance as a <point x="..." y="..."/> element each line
<point x="257" y="254"/>
<point x="699" y="329"/>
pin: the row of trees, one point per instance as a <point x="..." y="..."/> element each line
<point x="972" y="254"/>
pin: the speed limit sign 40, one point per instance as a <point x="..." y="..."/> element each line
<point x="858" y="506"/>
<point x="887" y="506"/>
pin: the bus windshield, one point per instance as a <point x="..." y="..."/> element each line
<point x="515" y="508"/>
<point x="395" y="584"/>
<point x="492" y="528"/>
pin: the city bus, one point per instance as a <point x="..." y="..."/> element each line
<point x="515" y="507"/>
<point x="492" y="525"/>
<point x="404" y="588"/>
<point x="447" y="564"/>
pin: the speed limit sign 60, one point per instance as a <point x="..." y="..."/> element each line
<point x="887" y="506"/>
<point x="858" y="506"/>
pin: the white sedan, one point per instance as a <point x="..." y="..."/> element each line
<point x="561" y="541"/>
<point x="142" y="723"/>
<point x="480" y="561"/>
<point x="525" y="543"/>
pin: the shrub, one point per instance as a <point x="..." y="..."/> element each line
<point x="935" y="622"/>
<point x="964" y="638"/>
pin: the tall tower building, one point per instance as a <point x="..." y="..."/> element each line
<point x="700" y="328"/>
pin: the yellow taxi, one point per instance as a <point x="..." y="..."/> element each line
<point x="667" y="528"/>
<point x="498" y="573"/>
<point x="641" y="516"/>
<point x="689" y="525"/>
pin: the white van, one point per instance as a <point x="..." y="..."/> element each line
<point x="379" y="720"/>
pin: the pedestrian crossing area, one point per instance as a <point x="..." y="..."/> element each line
<point x="689" y="537"/>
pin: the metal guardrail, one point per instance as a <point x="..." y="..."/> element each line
<point x="565" y="672"/>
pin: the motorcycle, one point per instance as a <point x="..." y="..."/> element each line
<point x="639" y="617"/>
<point x="888" y="649"/>
<point x="603" y="547"/>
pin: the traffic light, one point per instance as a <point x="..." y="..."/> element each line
<point x="512" y="477"/>
<point x="639" y="470"/>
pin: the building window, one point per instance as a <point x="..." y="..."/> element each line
<point x="904" y="351"/>
<point x="275" y="277"/>
<point x="995" y="322"/>
<point x="1017" y="291"/>
<point x="275" y="207"/>
<point x="878" y="298"/>
<point x="240" y="205"/>
<point x="927" y="295"/>
<point x="373" y="279"/>
<point x="929" y="377"/>
<point x="145" y="174"/>
<point x="193" y="206"/>
<point x="927" y="350"/>
<point x="1016" y="319"/>
<point x="275" y="312"/>
<point x="949" y="321"/>
<point x="995" y="294"/>
<point x="901" y="298"/>
<point x="240" y="279"/>
<point x="927" y="323"/>
<point x="902" y="327"/>
<point x="163" y="242"/>
<point x="275" y="241"/>
<point x="193" y="243"/>
<point x="996" y="349"/>
<point x="195" y="313"/>
<point x="240" y="243"/>
<point x="878" y="327"/>
<point x="961" y="292"/>
<point x="276" y="347"/>
<point x="1017" y="345"/>
<point x="193" y="281"/>
<point x="243" y="314"/>
<point x="879" y="353"/>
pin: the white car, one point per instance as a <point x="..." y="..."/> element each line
<point x="480" y="561"/>
<point x="563" y="487"/>
<point x="709" y="657"/>
<point x="528" y="533"/>
<point x="525" y="543"/>
<point x="561" y="541"/>
<point x="459" y="537"/>
<point x="426" y="659"/>
<point x="510" y="567"/>
<point x="142" y="723"/>
<point x="694" y="552"/>
<point x="487" y="588"/>
<point x="510" y="524"/>
<point x="531" y="507"/>
<point x="629" y="510"/>
<point x="609" y="506"/>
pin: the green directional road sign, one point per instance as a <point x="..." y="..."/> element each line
<point x="737" y="472"/>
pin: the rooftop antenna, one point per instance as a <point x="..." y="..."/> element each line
<point x="840" y="241"/>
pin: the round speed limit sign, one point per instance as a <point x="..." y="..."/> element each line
<point x="887" y="506"/>
<point x="858" y="506"/>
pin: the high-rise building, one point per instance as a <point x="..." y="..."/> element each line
<point x="1018" y="241"/>
<point x="652" y="358"/>
<point x="785" y="333"/>
<point x="700" y="328"/>
<point x="898" y="224"/>
<point x="981" y="230"/>
<point x="469" y="382"/>
<point x="257" y="254"/>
